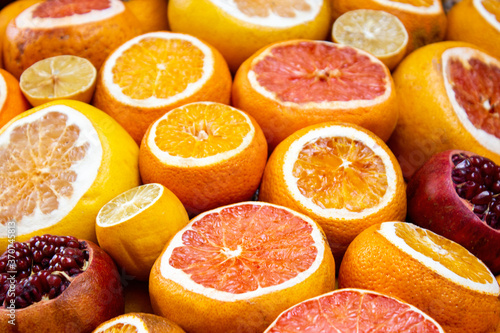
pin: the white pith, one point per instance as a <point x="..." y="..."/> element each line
<point x="122" y="202"/>
<point x="388" y="230"/>
<point x="186" y="162"/>
<point x="152" y="102"/>
<point x="25" y="20"/>
<point x="86" y="169"/>
<point x="3" y="91"/>
<point x="486" y="139"/>
<point x="125" y="320"/>
<point x="353" y="104"/>
<point x="436" y="7"/>
<point x="273" y="20"/>
<point x="492" y="20"/>
<point x="334" y="131"/>
<point x="183" y="279"/>
<point x="360" y="291"/>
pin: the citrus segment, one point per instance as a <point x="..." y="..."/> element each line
<point x="62" y="8"/>
<point x="134" y="226"/>
<point x="453" y="286"/>
<point x="61" y="162"/>
<point x="235" y="268"/>
<point x="339" y="174"/>
<point x="290" y="85"/>
<point x="354" y="310"/>
<point x="59" y="77"/>
<point x="138" y="323"/>
<point x="173" y="70"/>
<point x="375" y="31"/>
<point x="208" y="154"/>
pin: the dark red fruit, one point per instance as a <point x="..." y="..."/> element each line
<point x="457" y="195"/>
<point x="57" y="284"/>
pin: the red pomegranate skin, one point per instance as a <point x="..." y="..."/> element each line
<point x="94" y="296"/>
<point x="434" y="204"/>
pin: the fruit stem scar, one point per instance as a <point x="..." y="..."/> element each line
<point x="232" y="253"/>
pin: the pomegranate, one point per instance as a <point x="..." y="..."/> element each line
<point x="57" y="284"/>
<point x="457" y="195"/>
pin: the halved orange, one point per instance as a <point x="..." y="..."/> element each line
<point x="476" y="22"/>
<point x="354" y="310"/>
<point x="12" y="100"/>
<point x="61" y="162"/>
<point x="341" y="175"/>
<point x="89" y="29"/>
<point x="239" y="28"/>
<point x="425" y="20"/>
<point x="436" y="275"/>
<point x="290" y="85"/>
<point x="235" y="268"/>
<point x="449" y="98"/>
<point x="156" y="72"/>
<point x="138" y="323"/>
<point x="208" y="154"/>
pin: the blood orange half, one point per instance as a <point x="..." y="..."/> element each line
<point x="354" y="310"/>
<point x="235" y="268"/>
<point x="290" y="85"/>
<point x="90" y="29"/>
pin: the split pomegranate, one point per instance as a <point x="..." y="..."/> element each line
<point x="58" y="284"/>
<point x="457" y="195"/>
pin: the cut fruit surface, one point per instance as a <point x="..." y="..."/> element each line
<point x="245" y="258"/>
<point x="138" y="323"/>
<point x="290" y="85"/>
<point x="52" y="174"/>
<point x="208" y="154"/>
<point x="354" y="310"/>
<point x="339" y="174"/>
<point x="375" y="31"/>
<point x="174" y="69"/>
<point x="59" y="77"/>
<point x="135" y="226"/>
<point x="454" y="287"/>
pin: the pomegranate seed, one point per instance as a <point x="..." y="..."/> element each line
<point x="482" y="198"/>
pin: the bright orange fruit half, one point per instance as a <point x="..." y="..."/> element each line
<point x="354" y="310"/>
<point x="293" y="84"/>
<point x="61" y="162"/>
<point x="426" y="270"/>
<point x="12" y="100"/>
<point x="449" y="98"/>
<point x="138" y="323"/>
<point x="235" y="268"/>
<point x="57" y="27"/>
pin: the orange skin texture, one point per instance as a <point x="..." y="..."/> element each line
<point x="197" y="313"/>
<point x="137" y="297"/>
<point x="466" y="24"/>
<point x="427" y="123"/>
<point x="279" y="121"/>
<point x="422" y="29"/>
<point x="372" y="262"/>
<point x="340" y="232"/>
<point x="12" y="10"/>
<point x="94" y="41"/>
<point x="15" y="102"/>
<point x="152" y="14"/>
<point x="201" y="188"/>
<point x="118" y="172"/>
<point x="92" y="297"/>
<point x="154" y="323"/>
<point x="136" y="119"/>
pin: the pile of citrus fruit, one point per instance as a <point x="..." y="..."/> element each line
<point x="250" y="166"/>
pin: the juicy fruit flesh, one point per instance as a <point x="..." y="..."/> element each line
<point x="340" y="173"/>
<point x="492" y="6"/>
<point x="128" y="204"/>
<point x="243" y="248"/>
<point x="43" y="267"/>
<point x="353" y="311"/>
<point x="36" y="169"/>
<point x="477" y="180"/>
<point x="320" y="72"/>
<point x="167" y="68"/>
<point x="121" y="328"/>
<point x="416" y="3"/>
<point x="201" y="130"/>
<point x="476" y="88"/>
<point x="63" y="8"/>
<point x="265" y="8"/>
<point x="448" y="253"/>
